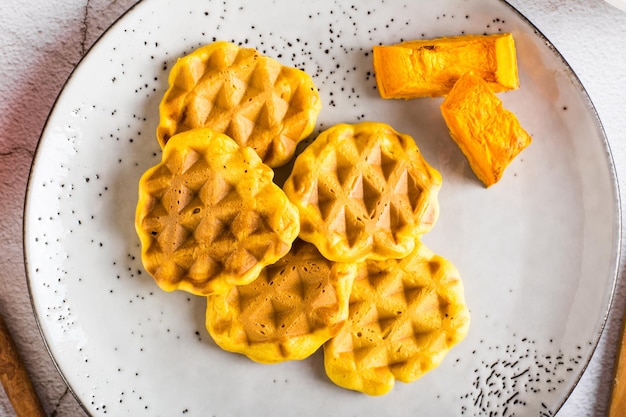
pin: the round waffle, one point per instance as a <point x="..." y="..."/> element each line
<point x="404" y="316"/>
<point x="363" y="191"/>
<point x="209" y="215"/>
<point x="287" y="313"/>
<point x="252" y="98"/>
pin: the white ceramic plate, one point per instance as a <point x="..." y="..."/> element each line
<point x="620" y="4"/>
<point x="538" y="251"/>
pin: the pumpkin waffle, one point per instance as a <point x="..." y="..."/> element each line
<point x="237" y="91"/>
<point x="404" y="316"/>
<point x="363" y="191"/>
<point x="287" y="313"/>
<point x="209" y="215"/>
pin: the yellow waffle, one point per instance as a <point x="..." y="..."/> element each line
<point x="404" y="316"/>
<point x="363" y="191"/>
<point x="252" y="98"/>
<point x="209" y="215"/>
<point x="287" y="313"/>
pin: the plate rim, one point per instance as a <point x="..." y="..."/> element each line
<point x="27" y="192"/>
<point x="616" y="261"/>
<point x="571" y="76"/>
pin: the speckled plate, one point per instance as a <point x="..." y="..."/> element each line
<point x="538" y="251"/>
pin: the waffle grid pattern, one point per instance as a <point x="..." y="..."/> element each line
<point x="250" y="97"/>
<point x="206" y="224"/>
<point x="295" y="306"/>
<point x="363" y="192"/>
<point x="404" y="315"/>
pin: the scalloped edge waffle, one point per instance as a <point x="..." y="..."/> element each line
<point x="363" y="191"/>
<point x="288" y="312"/>
<point x="379" y="343"/>
<point x="252" y="98"/>
<point x="209" y="215"/>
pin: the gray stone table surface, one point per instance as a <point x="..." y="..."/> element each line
<point x="42" y="41"/>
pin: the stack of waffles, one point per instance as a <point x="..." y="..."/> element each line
<point x="331" y="260"/>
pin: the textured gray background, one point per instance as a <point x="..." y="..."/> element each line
<point x="41" y="42"/>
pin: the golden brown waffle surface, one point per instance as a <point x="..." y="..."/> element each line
<point x="252" y="98"/>
<point x="363" y="191"/>
<point x="287" y="313"/>
<point x="404" y="316"/>
<point x="209" y="215"/>
<point x="333" y="259"/>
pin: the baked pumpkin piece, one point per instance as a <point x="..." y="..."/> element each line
<point x="252" y="98"/>
<point x="489" y="135"/>
<point x="209" y="215"/>
<point x="363" y="191"/>
<point x="423" y="68"/>
<point x="288" y="312"/>
<point x="404" y="316"/>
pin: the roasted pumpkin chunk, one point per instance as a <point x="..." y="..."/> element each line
<point x="423" y="68"/>
<point x="489" y="135"/>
